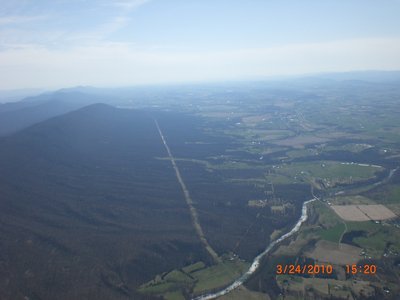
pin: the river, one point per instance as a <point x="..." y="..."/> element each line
<point x="256" y="262"/>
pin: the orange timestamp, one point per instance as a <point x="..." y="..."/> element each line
<point x="366" y="269"/>
<point x="293" y="269"/>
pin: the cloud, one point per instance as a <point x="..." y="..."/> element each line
<point x="20" y="19"/>
<point x="55" y="34"/>
<point x="115" y="23"/>
<point x="122" y="19"/>
<point x="129" y="4"/>
<point x="97" y="34"/>
<point x="118" y="64"/>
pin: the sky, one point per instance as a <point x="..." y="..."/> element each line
<point x="106" y="43"/>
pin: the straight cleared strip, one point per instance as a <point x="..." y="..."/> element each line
<point x="189" y="201"/>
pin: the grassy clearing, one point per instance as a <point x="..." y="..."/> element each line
<point x="355" y="148"/>
<point x="393" y="195"/>
<point x="387" y="194"/>
<point x="375" y="243"/>
<point x="267" y="135"/>
<point x="195" y="267"/>
<point x="301" y="153"/>
<point x="326" y="216"/>
<point x="333" y="170"/>
<point x="394" y="208"/>
<point x="378" y="237"/>
<point x="258" y="181"/>
<point x="219" y="275"/>
<point x="253" y="134"/>
<point x="331" y="173"/>
<point x="300" y="141"/>
<point x="158" y="288"/>
<point x="368" y="226"/>
<point x="332" y="234"/>
<point x="195" y="277"/>
<point x="205" y="163"/>
<point x="362" y="189"/>
<point x="174" y="296"/>
<point x="279" y="179"/>
<point x="235" y="165"/>
<point x="178" y="276"/>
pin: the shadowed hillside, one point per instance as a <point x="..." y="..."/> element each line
<point x="80" y="214"/>
<point x="19" y="115"/>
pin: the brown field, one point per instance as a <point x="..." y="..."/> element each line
<point x="333" y="134"/>
<point x="243" y="293"/>
<point x="323" y="287"/>
<point x="300" y="141"/>
<point x="334" y="253"/>
<point x="253" y="120"/>
<point x="257" y="203"/>
<point x="222" y="114"/>
<point x="340" y="289"/>
<point x="377" y="212"/>
<point x="363" y="212"/>
<point x="350" y="213"/>
<point x="292" y="249"/>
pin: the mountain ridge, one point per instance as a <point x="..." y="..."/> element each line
<point x="78" y="193"/>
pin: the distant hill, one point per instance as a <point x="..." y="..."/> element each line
<point x="16" y="95"/>
<point x="18" y="115"/>
<point x="87" y="210"/>
<point x="369" y="76"/>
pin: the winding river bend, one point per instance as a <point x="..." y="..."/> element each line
<point x="256" y="262"/>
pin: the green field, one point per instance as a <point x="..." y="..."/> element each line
<point x="368" y="226"/>
<point x="356" y="148"/>
<point x="378" y="237"/>
<point x="329" y="172"/>
<point x="332" y="234"/>
<point x="195" y="278"/>
<point x="219" y="275"/>
<point x="177" y="295"/>
<point x="391" y="194"/>
<point x="301" y="153"/>
<point x="326" y="216"/>
<point x="261" y="134"/>
<point x="279" y="179"/>
<point x="194" y="267"/>
<point x="329" y="226"/>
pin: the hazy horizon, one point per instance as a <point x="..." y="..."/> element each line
<point x="54" y="44"/>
